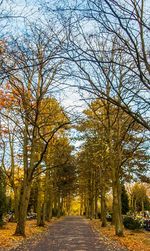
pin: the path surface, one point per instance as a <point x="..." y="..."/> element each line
<point x="70" y="234"/>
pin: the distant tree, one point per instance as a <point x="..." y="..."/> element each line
<point x="33" y="197"/>
<point x="60" y="176"/>
<point x="139" y="198"/>
<point x="120" y="149"/>
<point x="2" y="197"/>
<point x="124" y="200"/>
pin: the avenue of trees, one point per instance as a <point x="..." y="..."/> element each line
<point x="113" y="153"/>
<point x="101" y="48"/>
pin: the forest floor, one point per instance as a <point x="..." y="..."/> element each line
<point x="71" y="233"/>
<point x="134" y="240"/>
<point x="9" y="240"/>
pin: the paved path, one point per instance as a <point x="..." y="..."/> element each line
<point x="70" y="234"/>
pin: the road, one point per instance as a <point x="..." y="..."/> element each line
<point x="70" y="234"/>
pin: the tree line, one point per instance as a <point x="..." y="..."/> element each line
<point x="104" y="48"/>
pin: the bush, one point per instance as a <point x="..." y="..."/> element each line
<point x="132" y="223"/>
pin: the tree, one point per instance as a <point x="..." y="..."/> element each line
<point x="62" y="173"/>
<point x="87" y="181"/>
<point x="120" y="142"/>
<point x="2" y="196"/>
<point x="10" y="19"/>
<point x="33" y="70"/>
<point x="93" y="165"/>
<point x="118" y="40"/>
<point x="139" y="197"/>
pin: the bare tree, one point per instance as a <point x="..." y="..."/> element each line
<point x="34" y="65"/>
<point x="107" y="35"/>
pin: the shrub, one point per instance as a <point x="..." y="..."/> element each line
<point x="132" y="223"/>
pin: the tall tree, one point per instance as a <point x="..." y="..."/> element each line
<point x="118" y="38"/>
<point x="121" y="141"/>
<point x="33" y="71"/>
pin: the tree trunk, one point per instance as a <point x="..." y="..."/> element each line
<point x="87" y="208"/>
<point x="81" y="204"/>
<point x="95" y="195"/>
<point x="41" y="216"/>
<point x="103" y="208"/>
<point x="113" y="214"/>
<point x="96" y="208"/>
<point x="48" y="198"/>
<point x="58" y="206"/>
<point x="117" y="207"/>
<point x="22" y="208"/>
<point x="85" y="205"/>
<point x="48" y="206"/>
<point x="40" y="205"/>
<point x="16" y="200"/>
